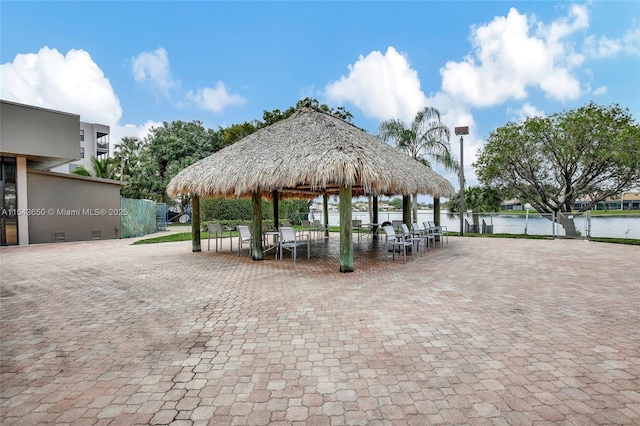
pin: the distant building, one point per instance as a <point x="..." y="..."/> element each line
<point x="624" y="201"/>
<point x="39" y="205"/>
<point x="94" y="142"/>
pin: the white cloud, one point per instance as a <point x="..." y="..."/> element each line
<point x="383" y="86"/>
<point x="132" y="130"/>
<point x="152" y="68"/>
<point x="71" y="83"/>
<point x="600" y="91"/>
<point x="605" y="47"/>
<point x="214" y="99"/>
<point x="527" y="110"/>
<point x="508" y="59"/>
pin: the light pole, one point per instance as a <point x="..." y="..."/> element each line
<point x="461" y="131"/>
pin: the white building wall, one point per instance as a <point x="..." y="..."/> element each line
<point x="90" y="145"/>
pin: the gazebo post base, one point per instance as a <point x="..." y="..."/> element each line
<point x="346" y="230"/>
<point x="406" y="209"/>
<point x="256" y="231"/>
<point x="195" y="223"/>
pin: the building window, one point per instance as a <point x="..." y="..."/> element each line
<point x="82" y="152"/>
<point x="81" y="136"/>
<point x="72" y="167"/>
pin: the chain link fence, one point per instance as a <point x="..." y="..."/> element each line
<point x="582" y="225"/>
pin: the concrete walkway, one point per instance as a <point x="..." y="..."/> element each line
<point x="481" y="332"/>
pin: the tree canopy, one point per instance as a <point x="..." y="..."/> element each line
<point x="100" y="168"/>
<point x="146" y="166"/>
<point x="425" y="138"/>
<point x="589" y="153"/>
<point x="477" y="199"/>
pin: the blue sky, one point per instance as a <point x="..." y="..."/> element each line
<point x="132" y="65"/>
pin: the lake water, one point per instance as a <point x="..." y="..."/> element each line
<point x="612" y="226"/>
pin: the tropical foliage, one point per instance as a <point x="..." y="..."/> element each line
<point x="589" y="153"/>
<point x="146" y="166"/>
<point x="425" y="138"/>
<point x="476" y="199"/>
<point x="100" y="168"/>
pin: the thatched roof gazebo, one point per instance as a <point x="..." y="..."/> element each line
<point x="311" y="153"/>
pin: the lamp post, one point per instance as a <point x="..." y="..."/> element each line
<point x="461" y="131"/>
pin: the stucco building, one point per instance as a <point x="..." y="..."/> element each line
<point x="40" y="205"/>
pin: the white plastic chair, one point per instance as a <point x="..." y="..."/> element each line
<point x="319" y="228"/>
<point x="356" y="225"/>
<point x="438" y="232"/>
<point x="290" y="240"/>
<point x="244" y="237"/>
<point x="392" y="241"/>
<point x="426" y="237"/>
<point x="214" y="230"/>
<point x="415" y="239"/>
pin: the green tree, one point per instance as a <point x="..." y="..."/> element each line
<point x="168" y="149"/>
<point x="478" y="200"/>
<point x="126" y="159"/>
<point x="235" y="132"/>
<point x="426" y="137"/>
<point x="100" y="168"/>
<point x="589" y="153"/>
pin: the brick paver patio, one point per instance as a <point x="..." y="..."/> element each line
<point x="481" y="331"/>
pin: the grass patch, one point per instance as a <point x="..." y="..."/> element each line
<point x="516" y="236"/>
<point x="170" y="238"/>
<point x="629" y="241"/>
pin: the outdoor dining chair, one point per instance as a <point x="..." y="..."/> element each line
<point x="214" y="230"/>
<point x="393" y="241"/>
<point x="397" y="225"/>
<point x="244" y="237"/>
<point x="437" y="232"/>
<point x="319" y="228"/>
<point x="415" y="239"/>
<point x="427" y="237"/>
<point x="356" y="224"/>
<point x="290" y="240"/>
<point x="423" y="235"/>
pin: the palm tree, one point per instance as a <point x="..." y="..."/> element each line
<point x="100" y="168"/>
<point x="426" y="137"/>
<point x="478" y="200"/>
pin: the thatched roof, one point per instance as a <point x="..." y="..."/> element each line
<point x="304" y="155"/>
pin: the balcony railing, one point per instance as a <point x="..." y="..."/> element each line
<point x="102" y="148"/>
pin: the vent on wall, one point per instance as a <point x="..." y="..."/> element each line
<point x="58" y="237"/>
<point x="96" y="235"/>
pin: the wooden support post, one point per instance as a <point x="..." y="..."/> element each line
<point x="276" y="213"/>
<point x="406" y="209"/>
<point x="195" y="223"/>
<point x="436" y="211"/>
<point x="346" y="230"/>
<point x="325" y="213"/>
<point x="375" y="216"/>
<point x="256" y="229"/>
